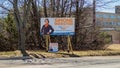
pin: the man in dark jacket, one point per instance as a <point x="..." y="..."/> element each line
<point x="47" y="28"/>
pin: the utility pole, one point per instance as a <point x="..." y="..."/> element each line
<point x="94" y="13"/>
<point x="94" y="20"/>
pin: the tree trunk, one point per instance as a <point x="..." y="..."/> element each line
<point x="36" y="21"/>
<point x="57" y="7"/>
<point x="21" y="30"/>
<point x="45" y="9"/>
<point x="77" y="21"/>
<point x="52" y="8"/>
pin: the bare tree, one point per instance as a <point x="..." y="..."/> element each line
<point x="21" y="23"/>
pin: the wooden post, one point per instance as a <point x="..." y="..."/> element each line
<point x="69" y="45"/>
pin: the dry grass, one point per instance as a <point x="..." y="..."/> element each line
<point x="10" y="54"/>
<point x="113" y="49"/>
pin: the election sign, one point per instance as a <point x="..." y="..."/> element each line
<point x="53" y="47"/>
<point x="57" y="26"/>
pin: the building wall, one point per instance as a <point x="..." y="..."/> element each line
<point x="107" y="20"/>
<point x="117" y="9"/>
<point x="110" y="23"/>
<point x="115" y="36"/>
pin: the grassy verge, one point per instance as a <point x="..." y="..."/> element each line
<point x="78" y="53"/>
<point x="110" y="51"/>
<point x="10" y="54"/>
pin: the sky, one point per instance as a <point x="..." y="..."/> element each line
<point x="110" y="8"/>
<point x="3" y="12"/>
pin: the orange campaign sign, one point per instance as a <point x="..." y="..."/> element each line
<point x="57" y="26"/>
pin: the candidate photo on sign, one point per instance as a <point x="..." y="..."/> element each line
<point x="47" y="29"/>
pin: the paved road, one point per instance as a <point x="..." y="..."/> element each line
<point x="82" y="62"/>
